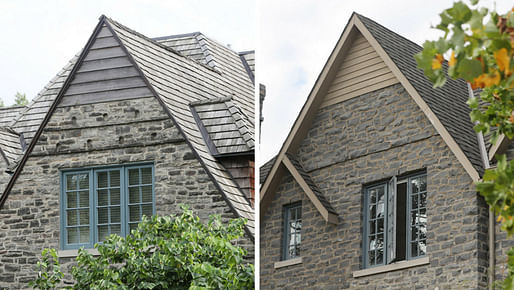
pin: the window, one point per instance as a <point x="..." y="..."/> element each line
<point x="395" y="220"/>
<point x="292" y="231"/>
<point x="102" y="201"/>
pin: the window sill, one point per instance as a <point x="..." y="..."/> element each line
<point x="289" y="262"/>
<point x="391" y="267"/>
<point x="75" y="253"/>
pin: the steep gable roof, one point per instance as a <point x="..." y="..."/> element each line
<point x="9" y="114"/>
<point x="175" y="80"/>
<point x="448" y="116"/>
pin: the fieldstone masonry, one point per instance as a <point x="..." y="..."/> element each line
<point x="364" y="140"/>
<point x="112" y="133"/>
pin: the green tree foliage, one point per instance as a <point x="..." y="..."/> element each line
<point x="20" y="99"/>
<point x="170" y="252"/>
<point x="479" y="45"/>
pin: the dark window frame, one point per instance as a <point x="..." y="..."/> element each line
<point x="287" y="231"/>
<point x="409" y="255"/>
<point x="93" y="224"/>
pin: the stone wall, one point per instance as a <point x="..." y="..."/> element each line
<point x="363" y="140"/>
<point x="99" y="134"/>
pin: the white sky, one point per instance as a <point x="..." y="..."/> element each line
<point x="40" y="37"/>
<point x="296" y="38"/>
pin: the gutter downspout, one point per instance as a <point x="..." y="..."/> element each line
<point x="492" y="224"/>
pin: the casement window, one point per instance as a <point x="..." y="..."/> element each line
<point x="292" y="237"/>
<point x="102" y="201"/>
<point x="395" y="220"/>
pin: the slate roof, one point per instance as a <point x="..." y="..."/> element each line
<point x="8" y="114"/>
<point x="180" y="76"/>
<point x="224" y="126"/>
<point x="180" y="81"/>
<point x="448" y="103"/>
<point x="10" y="145"/>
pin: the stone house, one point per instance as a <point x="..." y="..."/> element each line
<point x="131" y="126"/>
<point x="373" y="186"/>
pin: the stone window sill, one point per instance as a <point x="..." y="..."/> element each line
<point x="391" y="267"/>
<point x="289" y="262"/>
<point x="75" y="253"/>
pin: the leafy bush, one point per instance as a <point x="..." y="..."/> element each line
<point x="178" y="252"/>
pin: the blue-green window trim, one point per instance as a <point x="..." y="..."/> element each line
<point x="414" y="225"/>
<point x="125" y="221"/>
<point x="292" y="214"/>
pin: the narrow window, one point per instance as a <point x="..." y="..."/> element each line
<point x="77" y="219"/>
<point x="292" y="231"/>
<point x="108" y="195"/>
<point x="418" y="216"/>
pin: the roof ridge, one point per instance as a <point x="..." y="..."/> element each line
<point x="159" y="38"/>
<point x="167" y="48"/>
<point x="389" y="30"/>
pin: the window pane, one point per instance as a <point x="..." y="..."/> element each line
<point x="133" y="176"/>
<point x="423" y="183"/>
<point x="83" y="181"/>
<point x="147" y="193"/>
<point x="380" y="241"/>
<point x="134" y="195"/>
<point x="372" y="211"/>
<point x="133" y="226"/>
<point x="115" y="214"/>
<point x="372" y="196"/>
<point x="372" y="227"/>
<point x="414" y="249"/>
<point x="371" y="258"/>
<point x="380" y="256"/>
<point x="84" y="235"/>
<point x="103" y="232"/>
<point x="103" y="197"/>
<point x="422" y="247"/>
<point x="380" y="209"/>
<point x="72" y="199"/>
<point x="423" y="199"/>
<point x="84" y="198"/>
<point x="84" y="216"/>
<point x="115" y="178"/>
<point x="73" y="236"/>
<point x="146" y="175"/>
<point x="372" y="243"/>
<point x="72" y="218"/>
<point x="134" y="213"/>
<point x="115" y="229"/>
<point x="115" y="196"/>
<point x="71" y="182"/>
<point x="103" y="215"/>
<point x="415" y="185"/>
<point x="414" y="234"/>
<point x="414" y="201"/>
<point x="147" y="210"/>
<point x="102" y="179"/>
<point x="380" y="225"/>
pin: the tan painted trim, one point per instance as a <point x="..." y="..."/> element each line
<point x="391" y="267"/>
<point x="454" y="147"/>
<point x="359" y="92"/>
<point x="75" y="253"/>
<point x="501" y="145"/>
<point x="289" y="262"/>
<point x="306" y="188"/>
<point x="270" y="184"/>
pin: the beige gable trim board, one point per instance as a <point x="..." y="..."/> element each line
<point x="454" y="147"/>
<point x="501" y="145"/>
<point x="306" y="114"/>
<point x="327" y="216"/>
<point x="316" y="96"/>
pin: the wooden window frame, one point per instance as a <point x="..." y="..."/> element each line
<point x="286" y="230"/>
<point x="387" y="184"/>
<point x="93" y="201"/>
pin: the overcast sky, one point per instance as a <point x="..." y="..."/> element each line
<point x="39" y="37"/>
<point x="296" y="38"/>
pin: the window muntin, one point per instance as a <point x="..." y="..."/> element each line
<point x="97" y="203"/>
<point x="395" y="220"/>
<point x="292" y="231"/>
